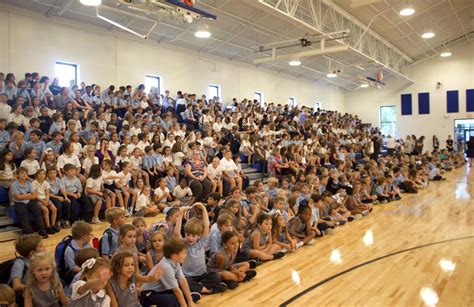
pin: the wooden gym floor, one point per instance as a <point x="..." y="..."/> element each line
<point x="414" y="252"/>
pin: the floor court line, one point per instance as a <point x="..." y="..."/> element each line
<point x="317" y="285"/>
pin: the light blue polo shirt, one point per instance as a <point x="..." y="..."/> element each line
<point x="195" y="263"/>
<point x="172" y="273"/>
<point x="21" y="189"/>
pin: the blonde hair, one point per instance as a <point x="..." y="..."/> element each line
<point x="54" y="281"/>
<point x="273" y="180"/>
<point x="194" y="227"/>
<point x="114" y="213"/>
<point x="7" y="294"/>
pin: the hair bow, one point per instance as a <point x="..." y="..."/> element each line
<point x="89" y="264"/>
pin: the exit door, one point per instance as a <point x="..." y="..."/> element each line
<point x="468" y="134"/>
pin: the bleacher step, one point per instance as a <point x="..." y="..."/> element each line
<point x="249" y="170"/>
<point x="10" y="233"/>
<point x="5" y="221"/>
<point x="254" y="176"/>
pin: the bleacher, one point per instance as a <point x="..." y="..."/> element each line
<point x="8" y="230"/>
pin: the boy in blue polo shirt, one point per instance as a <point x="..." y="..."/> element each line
<point x="110" y="240"/>
<point x="4" y="135"/>
<point x="24" y="197"/>
<point x="37" y="144"/>
<point x="194" y="267"/>
<point x="172" y="288"/>
<point x="73" y="187"/>
<point x="81" y="236"/>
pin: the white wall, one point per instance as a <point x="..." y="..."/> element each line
<point x="30" y="42"/>
<point x="455" y="73"/>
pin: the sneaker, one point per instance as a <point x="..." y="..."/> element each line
<point x="127" y="213"/>
<point x="50" y="231"/>
<point x="253" y="263"/>
<point x="44" y="235"/>
<point x="278" y="255"/>
<point x="65" y="224"/>
<point x="283" y="250"/>
<point x="96" y="221"/>
<point x="350" y="218"/>
<point x="311" y="242"/>
<point x="195" y="296"/>
<point x="219" y="288"/>
<point x="376" y="202"/>
<point x="384" y="201"/>
<point x="365" y="213"/>
<point x="342" y="223"/>
<point x="358" y="216"/>
<point x="249" y="275"/>
<point x="299" y="244"/>
<point x="231" y="285"/>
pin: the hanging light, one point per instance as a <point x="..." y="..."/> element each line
<point x="428" y="35"/>
<point x="91" y="2"/>
<point x="331" y="75"/>
<point x="407" y="10"/>
<point x="203" y="32"/>
<point x="294" y="63"/>
<point x="364" y="85"/>
<point x="446" y="54"/>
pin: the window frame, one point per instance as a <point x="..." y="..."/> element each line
<point x="76" y="71"/>
<point x="217" y="87"/>
<point x="383" y="123"/>
<point x="153" y="77"/>
<point x="292" y="102"/>
<point x="259" y="94"/>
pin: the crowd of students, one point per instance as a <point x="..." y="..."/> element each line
<point x="74" y="156"/>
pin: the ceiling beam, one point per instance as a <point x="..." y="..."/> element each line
<point x="65" y="7"/>
<point x="300" y="55"/>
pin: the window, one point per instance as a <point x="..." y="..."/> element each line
<point x="317" y="105"/>
<point x="292" y="102"/>
<point x="66" y="72"/>
<point x="258" y="96"/>
<point x="388" y="120"/>
<point x="214" y="91"/>
<point x="152" y="81"/>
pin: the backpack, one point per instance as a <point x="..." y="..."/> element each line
<point x="109" y="237"/>
<point x="5" y="268"/>
<point x="59" y="257"/>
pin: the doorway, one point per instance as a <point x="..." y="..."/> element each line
<point x="463" y="130"/>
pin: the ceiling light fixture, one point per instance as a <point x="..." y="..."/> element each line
<point x="364" y="85"/>
<point x="407" y="10"/>
<point x="91" y="2"/>
<point x="294" y="63"/>
<point x="446" y="54"/>
<point x="331" y="75"/>
<point x="428" y="35"/>
<point x="203" y="31"/>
